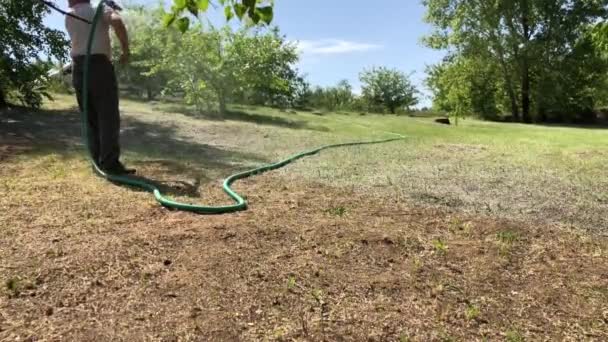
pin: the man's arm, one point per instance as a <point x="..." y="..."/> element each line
<point x="123" y="37"/>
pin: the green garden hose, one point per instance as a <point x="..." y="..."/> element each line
<point x="240" y="204"/>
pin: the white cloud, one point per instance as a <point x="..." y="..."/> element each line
<point x="333" y="47"/>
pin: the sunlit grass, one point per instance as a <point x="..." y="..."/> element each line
<point x="512" y="170"/>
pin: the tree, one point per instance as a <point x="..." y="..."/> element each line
<point x="214" y="67"/>
<point x="23" y="37"/>
<point x="527" y="42"/>
<point x="338" y="97"/>
<point x="302" y="94"/>
<point x="199" y="69"/>
<point x="464" y="86"/>
<point x="342" y="94"/>
<point x="599" y="37"/>
<point x="389" y="88"/>
<point x="265" y="62"/>
<point x="147" y="42"/>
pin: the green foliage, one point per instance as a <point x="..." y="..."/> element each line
<point x="339" y="97"/>
<point x="302" y="95"/>
<point x="265" y="63"/>
<point x="529" y="58"/>
<point x="198" y="68"/>
<point x="462" y="87"/>
<point x="388" y="88"/>
<point x="147" y="43"/>
<point x="59" y="83"/>
<point x="251" y="11"/>
<point x="600" y="36"/>
<point x="211" y="68"/>
<point x="22" y="38"/>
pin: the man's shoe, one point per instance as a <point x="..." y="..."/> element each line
<point x="120" y="170"/>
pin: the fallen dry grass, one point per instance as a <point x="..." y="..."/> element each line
<point x="83" y="260"/>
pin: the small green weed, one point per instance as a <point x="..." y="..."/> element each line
<point x="507" y="237"/>
<point x="337" y="211"/>
<point x="417" y="264"/>
<point x="458" y="226"/>
<point x="404" y="338"/>
<point x="445" y="337"/>
<point x="440" y="246"/>
<point x="472" y="312"/>
<point x="514" y="336"/>
<point x="317" y="295"/>
<point x="13" y="286"/>
<point x="506" y="241"/>
<point x="291" y="283"/>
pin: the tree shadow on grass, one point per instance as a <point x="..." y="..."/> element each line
<point x="155" y="148"/>
<point x="597" y="126"/>
<point x="238" y="115"/>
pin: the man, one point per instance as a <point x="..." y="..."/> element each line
<point x="104" y="114"/>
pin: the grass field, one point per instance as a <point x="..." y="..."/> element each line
<point x="484" y="231"/>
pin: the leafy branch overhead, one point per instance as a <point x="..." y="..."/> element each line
<point x="257" y="11"/>
<point x="600" y="36"/>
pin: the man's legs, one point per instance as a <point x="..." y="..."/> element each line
<point x="104" y="114"/>
<point x="105" y="101"/>
<point x="92" y="122"/>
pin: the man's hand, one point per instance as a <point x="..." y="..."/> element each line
<point x="124" y="58"/>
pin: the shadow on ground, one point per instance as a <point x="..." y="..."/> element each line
<point x="238" y="115"/>
<point x="172" y="188"/>
<point x="597" y="126"/>
<point x="156" y="148"/>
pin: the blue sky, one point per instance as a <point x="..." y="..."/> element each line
<point x="339" y="38"/>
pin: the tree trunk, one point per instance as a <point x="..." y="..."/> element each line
<point x="149" y="93"/>
<point x="542" y="113"/>
<point x="514" y="107"/>
<point x="525" y="69"/>
<point x="510" y="89"/>
<point x="392" y="108"/>
<point x="3" y="103"/>
<point x="222" y="102"/>
<point x="525" y="92"/>
<point x="506" y="74"/>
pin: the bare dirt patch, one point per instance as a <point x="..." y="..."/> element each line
<point x="306" y="263"/>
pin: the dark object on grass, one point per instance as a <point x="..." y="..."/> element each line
<point x="318" y="113"/>
<point x="443" y="121"/>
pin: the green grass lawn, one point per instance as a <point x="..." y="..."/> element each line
<point x="531" y="172"/>
<point x="554" y="174"/>
<point x="551" y="174"/>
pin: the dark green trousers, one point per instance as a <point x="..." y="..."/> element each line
<point x="104" y="115"/>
